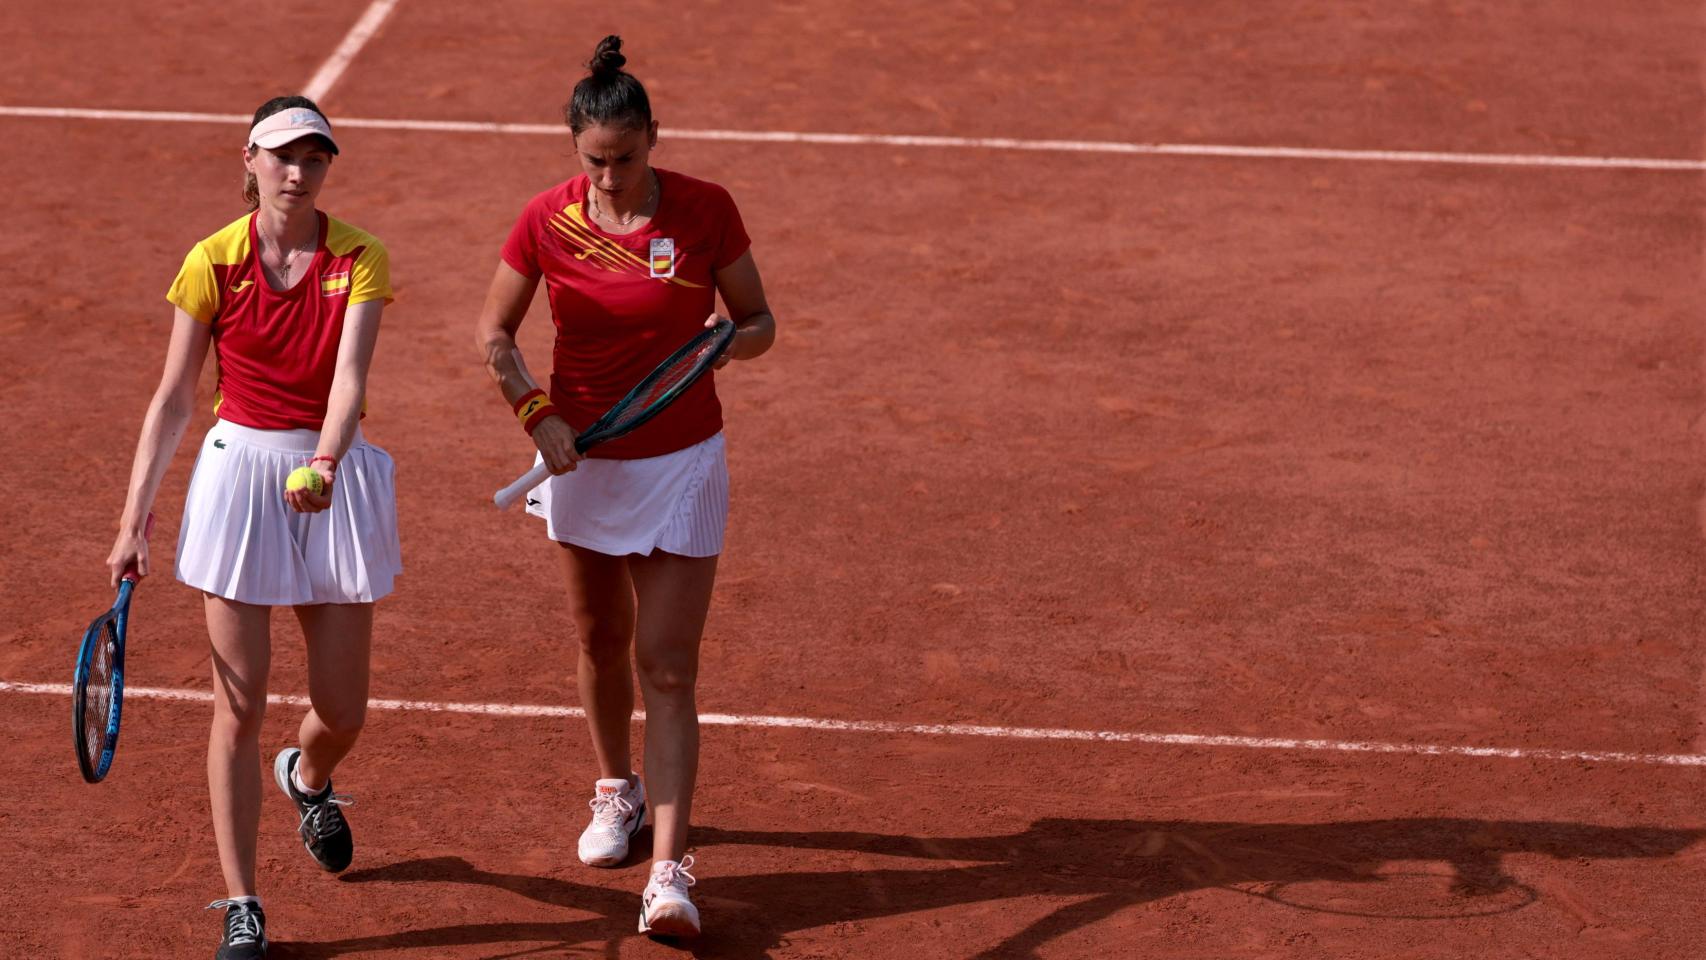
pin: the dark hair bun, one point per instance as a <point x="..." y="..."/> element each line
<point x="607" y="59"/>
<point x="608" y="94"/>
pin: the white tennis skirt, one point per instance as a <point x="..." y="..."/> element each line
<point x="241" y="541"/>
<point x="677" y="503"/>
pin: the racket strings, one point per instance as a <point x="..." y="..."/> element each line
<point x="94" y="731"/>
<point x="98" y="702"/>
<point x="672" y="377"/>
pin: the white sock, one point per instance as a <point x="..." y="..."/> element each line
<point x="296" y="781"/>
<point x="255" y="901"/>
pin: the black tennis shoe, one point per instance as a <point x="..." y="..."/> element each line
<point x="245" y="931"/>
<point x="325" y="833"/>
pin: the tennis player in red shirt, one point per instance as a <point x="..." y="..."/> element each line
<point x="289" y="300"/>
<point x="633" y="258"/>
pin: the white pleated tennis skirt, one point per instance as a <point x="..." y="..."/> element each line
<point x="677" y="503"/>
<point x="241" y="541"/>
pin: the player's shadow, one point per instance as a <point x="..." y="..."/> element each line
<point x="1434" y="868"/>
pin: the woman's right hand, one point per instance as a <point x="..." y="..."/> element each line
<point x="556" y="442"/>
<point x="129" y="549"/>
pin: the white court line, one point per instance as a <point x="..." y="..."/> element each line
<point x="357" y="38"/>
<point x="960" y="730"/>
<point x="896" y="140"/>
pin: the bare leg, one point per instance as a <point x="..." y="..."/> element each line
<point x="242" y="654"/>
<point x="340" y="637"/>
<point x="674" y="594"/>
<point x="601" y="600"/>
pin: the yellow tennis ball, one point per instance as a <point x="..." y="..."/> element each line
<point x="305" y="478"/>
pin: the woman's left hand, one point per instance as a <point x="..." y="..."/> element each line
<point x="728" y="351"/>
<point x="743" y="294"/>
<point x="305" y="500"/>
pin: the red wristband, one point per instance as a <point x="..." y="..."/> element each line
<point x="333" y="461"/>
<point x="533" y="407"/>
<point x="527" y="398"/>
<point x="532" y="423"/>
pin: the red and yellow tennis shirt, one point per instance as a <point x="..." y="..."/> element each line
<point x="278" y="350"/>
<point x="623" y="304"/>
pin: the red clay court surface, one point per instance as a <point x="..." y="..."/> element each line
<point x="1346" y="450"/>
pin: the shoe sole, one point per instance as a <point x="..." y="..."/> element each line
<point x="668" y="923"/>
<point x="639" y="822"/>
<point x="281" y="770"/>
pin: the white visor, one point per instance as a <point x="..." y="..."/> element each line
<point x="292" y="124"/>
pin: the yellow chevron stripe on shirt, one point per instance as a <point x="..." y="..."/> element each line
<point x="571" y="224"/>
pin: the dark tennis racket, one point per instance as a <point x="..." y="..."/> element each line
<point x="657" y="391"/>
<point x="97" y="688"/>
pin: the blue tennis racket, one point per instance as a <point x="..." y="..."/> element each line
<point x="97" y="688"/>
<point x="669" y="380"/>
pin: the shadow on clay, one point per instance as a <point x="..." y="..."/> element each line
<point x="1413" y="869"/>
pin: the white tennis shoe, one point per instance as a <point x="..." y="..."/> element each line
<point x="618" y="812"/>
<point x="665" y="910"/>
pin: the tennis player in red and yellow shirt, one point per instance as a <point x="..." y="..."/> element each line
<point x="289" y="299"/>
<point x="633" y="259"/>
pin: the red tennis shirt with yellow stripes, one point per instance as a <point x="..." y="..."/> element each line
<point x="623" y="303"/>
<point x="278" y="349"/>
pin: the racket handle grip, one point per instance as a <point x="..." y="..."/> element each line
<point x="130" y="572"/>
<point x="507" y="497"/>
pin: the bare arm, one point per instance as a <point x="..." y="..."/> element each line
<point x="743" y="295"/>
<point x="494" y="335"/>
<point x="344" y="404"/>
<point x="162" y="429"/>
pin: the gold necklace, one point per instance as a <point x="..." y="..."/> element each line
<point x="597" y="210"/>
<point x="289" y="261"/>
